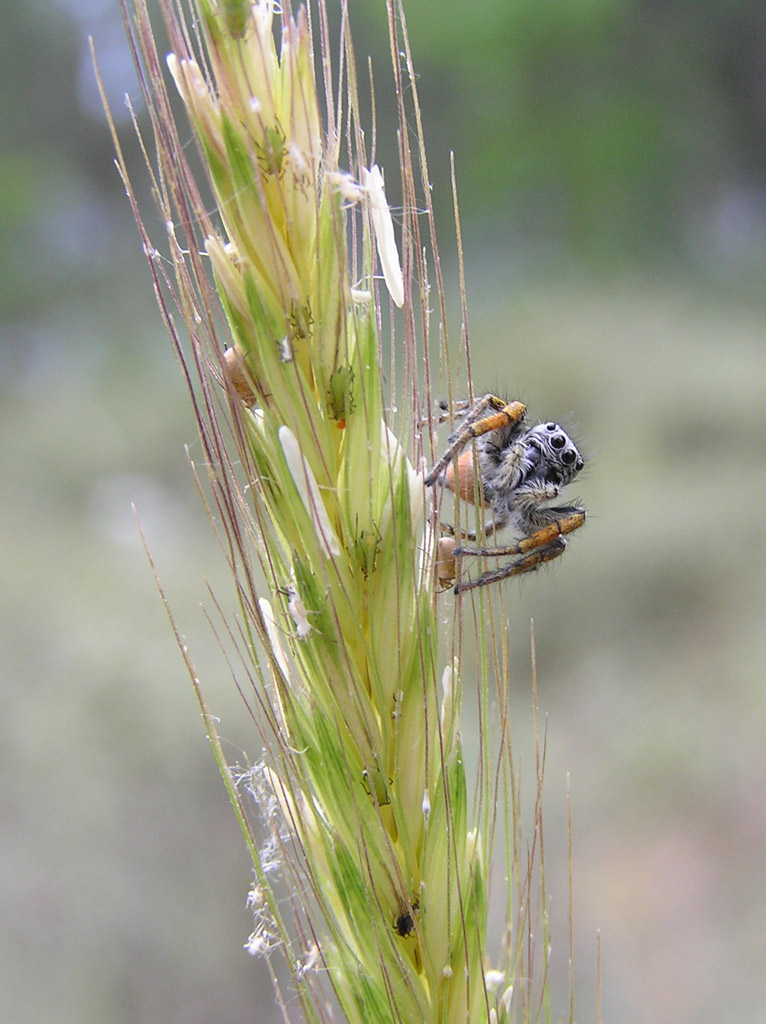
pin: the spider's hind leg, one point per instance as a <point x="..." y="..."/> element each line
<point x="528" y="554"/>
<point x="527" y="563"/>
<point x="486" y="530"/>
<point x="569" y="519"/>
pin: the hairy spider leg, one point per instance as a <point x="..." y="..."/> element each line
<point x="447" y="410"/>
<point x="568" y="523"/>
<point x="476" y="424"/>
<point x="459" y="408"/>
<point x="542" y="546"/>
<point x="477" y="410"/>
<point x="517" y="568"/>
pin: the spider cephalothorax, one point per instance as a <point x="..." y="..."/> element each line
<point x="520" y="470"/>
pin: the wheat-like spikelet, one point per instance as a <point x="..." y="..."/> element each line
<point x="315" y="485"/>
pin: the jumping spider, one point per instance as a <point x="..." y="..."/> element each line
<point x="520" y="470"/>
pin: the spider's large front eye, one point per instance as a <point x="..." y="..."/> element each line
<point x="558" y="441"/>
<point x="568" y="457"/>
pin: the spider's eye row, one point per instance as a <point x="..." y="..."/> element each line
<point x="568" y="457"/>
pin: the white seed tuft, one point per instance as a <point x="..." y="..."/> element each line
<point x="273" y="632"/>
<point x="308" y="489"/>
<point x="493" y="979"/>
<point x="505" y="998"/>
<point x="385" y="240"/>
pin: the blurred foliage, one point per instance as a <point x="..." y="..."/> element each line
<point x="598" y="129"/>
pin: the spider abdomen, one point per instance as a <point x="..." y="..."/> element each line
<point x="466" y="478"/>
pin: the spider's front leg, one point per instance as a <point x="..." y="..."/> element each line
<point x="545" y="544"/>
<point x="557" y="523"/>
<point x="475" y="425"/>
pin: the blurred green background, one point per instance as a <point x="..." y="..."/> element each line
<point x="611" y="161"/>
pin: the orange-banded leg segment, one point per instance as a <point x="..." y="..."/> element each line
<point x="526" y="564"/>
<point x="542" y="546"/>
<point x="476" y="424"/>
